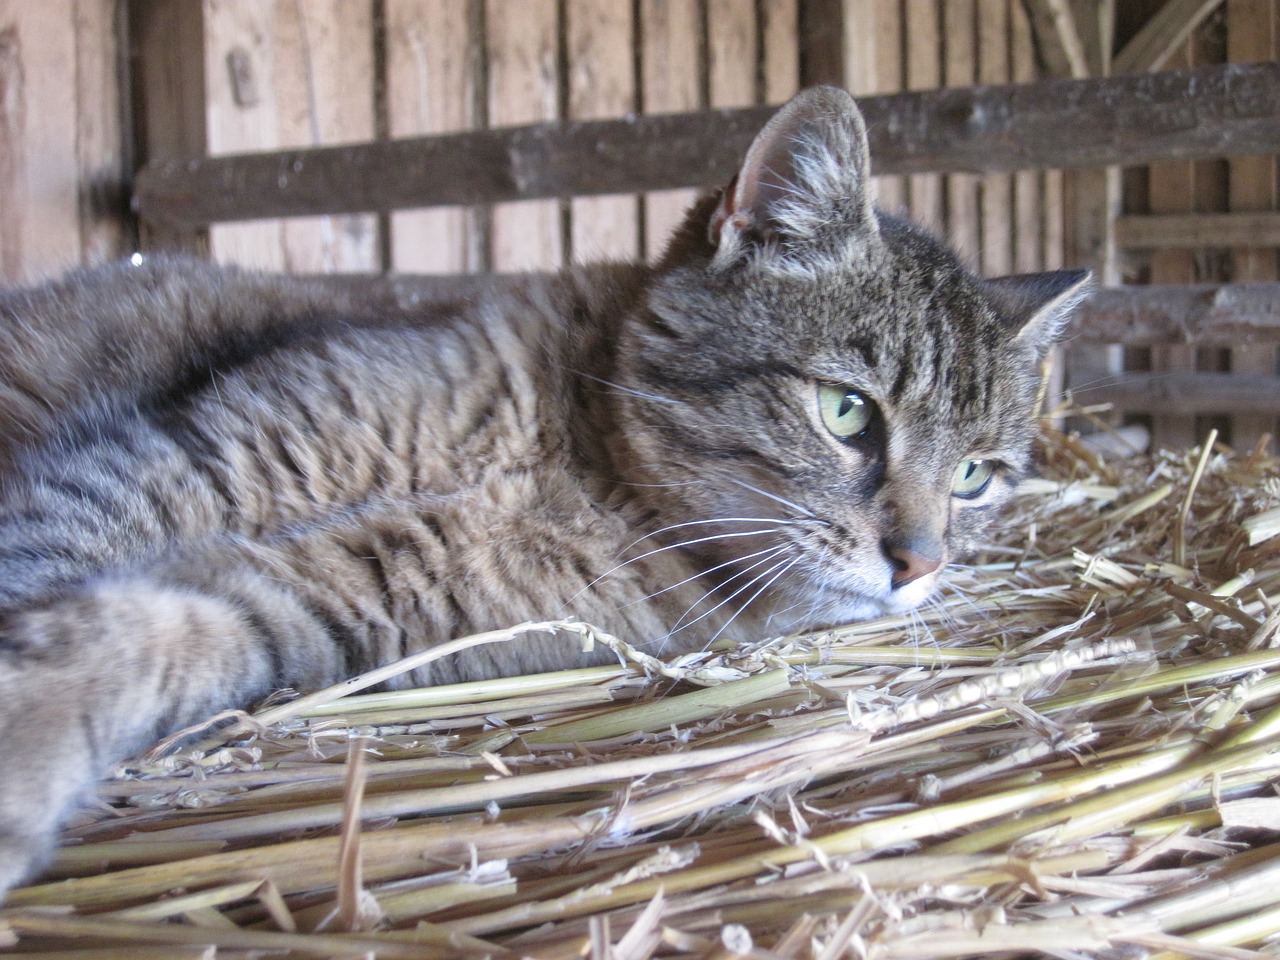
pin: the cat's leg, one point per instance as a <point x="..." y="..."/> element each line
<point x="123" y="658"/>
<point x="114" y="491"/>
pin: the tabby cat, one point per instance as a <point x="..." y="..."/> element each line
<point x="217" y="484"/>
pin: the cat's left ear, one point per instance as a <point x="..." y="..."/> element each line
<point x="1038" y="305"/>
<point x="804" y="179"/>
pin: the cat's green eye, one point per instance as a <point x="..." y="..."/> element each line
<point x="972" y="477"/>
<point x="845" y="412"/>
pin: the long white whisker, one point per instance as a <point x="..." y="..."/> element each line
<point x="679" y="625"/>
<point x="773" y="496"/>
<point x="771" y="551"/>
<point x="618" y="386"/>
<point x="663" y="549"/>
<point x="750" y="600"/>
<point x="697" y="523"/>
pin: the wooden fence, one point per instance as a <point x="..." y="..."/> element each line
<point x="336" y="91"/>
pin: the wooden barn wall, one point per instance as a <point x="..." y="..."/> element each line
<point x="62" y="161"/>
<point x="89" y="88"/>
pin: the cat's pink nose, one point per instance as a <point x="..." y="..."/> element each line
<point x="909" y="566"/>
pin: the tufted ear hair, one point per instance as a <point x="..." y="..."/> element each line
<point x="805" y="179"/>
<point x="1037" y="305"/>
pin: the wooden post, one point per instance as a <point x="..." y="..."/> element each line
<point x="1252" y="35"/>
<point x="282" y="74"/>
<point x="1171" y="189"/>
<point x="601" y="84"/>
<point x="960" y="70"/>
<point x="168" y="93"/>
<point x="873" y="64"/>
<point x="59" y="135"/>
<point x="996" y="196"/>
<point x="430" y="83"/>
<point x="524" y="87"/>
<point x="924" y="72"/>
<point x="670" y="82"/>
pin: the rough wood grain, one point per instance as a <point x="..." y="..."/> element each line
<point x="1253" y="34"/>
<point x="39" y="168"/>
<point x="1163" y="35"/>
<point x="430" y="88"/>
<point x="601" y="84"/>
<point x="524" y="82"/>
<point x="923" y="29"/>
<point x="670" y="82"/>
<point x="963" y="221"/>
<point x="1190" y="231"/>
<point x="874" y="65"/>
<point x="995" y="189"/>
<point x="1212" y="111"/>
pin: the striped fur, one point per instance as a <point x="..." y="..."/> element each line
<point x="217" y="484"/>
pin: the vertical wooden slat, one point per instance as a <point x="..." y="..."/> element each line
<point x="103" y="194"/>
<point x="731" y="52"/>
<point x="601" y="84"/>
<point x="1171" y="189"/>
<point x="288" y="73"/>
<point x="430" y="64"/>
<point x="167" y="72"/>
<point x="1251" y="36"/>
<point x="327" y="98"/>
<point x="924" y="72"/>
<point x="960" y="70"/>
<point x="779" y="28"/>
<point x="1090" y="203"/>
<point x="39" y="172"/>
<point x="1030" y="218"/>
<point x="873" y="64"/>
<point x="996" y="189"/>
<point x="522" y="53"/>
<point x="670" y="80"/>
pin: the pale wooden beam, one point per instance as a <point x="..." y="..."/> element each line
<point x="1199" y="230"/>
<point x="1162" y="35"/>
<point x="1058" y="38"/>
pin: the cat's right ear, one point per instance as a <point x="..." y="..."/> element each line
<point x="804" y="184"/>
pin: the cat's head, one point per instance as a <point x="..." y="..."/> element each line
<point x="826" y="404"/>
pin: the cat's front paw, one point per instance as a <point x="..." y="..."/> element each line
<point x="24" y="849"/>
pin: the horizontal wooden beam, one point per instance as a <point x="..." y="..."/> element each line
<point x="1211" y="111"/>
<point x="1184" y="394"/>
<point x="1233" y="314"/>
<point x="1199" y="230"/>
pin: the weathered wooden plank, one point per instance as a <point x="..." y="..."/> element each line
<point x="1193" y="314"/>
<point x="822" y="42"/>
<point x="1171" y="189"/>
<point x="963" y="221"/>
<point x="1198" y="230"/>
<point x="100" y="133"/>
<point x="167" y="37"/>
<point x="1253" y="34"/>
<point x="780" y="36"/>
<point x="873" y="64"/>
<point x="670" y="82"/>
<point x="1163" y="35"/>
<point x="39" y="172"/>
<point x="1030" y="217"/>
<point x="431" y="88"/>
<point x="601" y="84"/>
<point x="995" y="197"/>
<point x="921" y="24"/>
<point x="1183" y="395"/>
<point x="731" y="53"/>
<point x="524" y="81"/>
<point x="281" y="74"/>
<point x="1208" y="112"/>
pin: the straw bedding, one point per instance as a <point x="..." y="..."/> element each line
<point x="1073" y="752"/>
